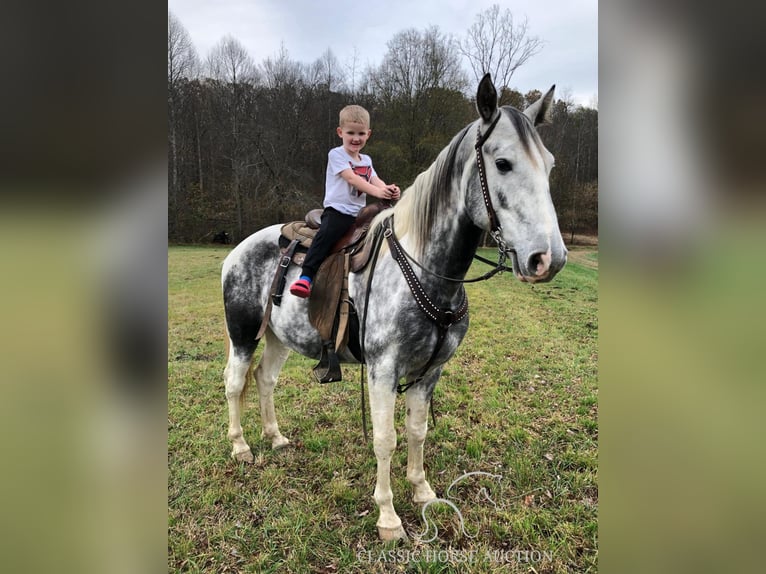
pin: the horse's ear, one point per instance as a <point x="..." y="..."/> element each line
<point x="540" y="111"/>
<point x="486" y="98"/>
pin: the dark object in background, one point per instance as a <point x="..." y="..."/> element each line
<point x="222" y="237"/>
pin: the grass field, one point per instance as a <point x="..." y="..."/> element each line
<point x="519" y="401"/>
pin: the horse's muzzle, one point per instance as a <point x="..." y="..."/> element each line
<point x="539" y="266"/>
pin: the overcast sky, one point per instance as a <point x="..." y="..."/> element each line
<point x="569" y="28"/>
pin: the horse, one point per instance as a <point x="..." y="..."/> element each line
<point x="492" y="176"/>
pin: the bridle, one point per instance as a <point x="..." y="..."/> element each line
<point x="495" y="229"/>
<point x="494" y="224"/>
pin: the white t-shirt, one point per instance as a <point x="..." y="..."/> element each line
<point x="340" y="194"/>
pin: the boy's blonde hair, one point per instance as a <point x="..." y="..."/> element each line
<point x="354" y="115"/>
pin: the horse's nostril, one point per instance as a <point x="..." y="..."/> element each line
<point x="538" y="263"/>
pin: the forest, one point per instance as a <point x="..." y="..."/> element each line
<point x="248" y="143"/>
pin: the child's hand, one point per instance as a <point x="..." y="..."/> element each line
<point x="394" y="191"/>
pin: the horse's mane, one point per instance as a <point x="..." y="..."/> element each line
<point x="424" y="200"/>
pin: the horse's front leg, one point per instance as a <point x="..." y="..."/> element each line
<point x="417" y="401"/>
<point x="382" y="403"/>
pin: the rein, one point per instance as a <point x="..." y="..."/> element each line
<point x="375" y="252"/>
<point x="499" y="267"/>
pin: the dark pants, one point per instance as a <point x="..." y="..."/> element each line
<point x="333" y="226"/>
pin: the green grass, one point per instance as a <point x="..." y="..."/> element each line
<point x="519" y="400"/>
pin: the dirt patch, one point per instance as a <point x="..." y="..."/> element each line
<point x="585" y="256"/>
<point x="589" y="240"/>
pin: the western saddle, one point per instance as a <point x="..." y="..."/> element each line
<point x="331" y="310"/>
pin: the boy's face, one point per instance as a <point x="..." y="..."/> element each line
<point x="354" y="137"/>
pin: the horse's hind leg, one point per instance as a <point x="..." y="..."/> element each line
<point x="417" y="401"/>
<point x="273" y="358"/>
<point x="235" y="377"/>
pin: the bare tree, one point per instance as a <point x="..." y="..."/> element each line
<point x="182" y="57"/>
<point x="352" y="68"/>
<point x="417" y="62"/>
<point x="233" y="68"/>
<point x="326" y="76"/>
<point x="496" y="44"/>
<point x="326" y="71"/>
<point x="229" y="62"/>
<point x="282" y="71"/>
<point x="182" y="64"/>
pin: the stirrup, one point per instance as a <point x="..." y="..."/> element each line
<point x="328" y="368"/>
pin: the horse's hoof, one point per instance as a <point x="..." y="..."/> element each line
<point x="422" y="492"/>
<point x="388" y="534"/>
<point x="244" y="456"/>
<point x="424" y="498"/>
<point x="279" y="442"/>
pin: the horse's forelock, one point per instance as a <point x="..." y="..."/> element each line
<point x="527" y="133"/>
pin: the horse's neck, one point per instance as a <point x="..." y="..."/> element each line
<point x="450" y="253"/>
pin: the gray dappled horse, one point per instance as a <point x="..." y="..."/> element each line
<point x="492" y="176"/>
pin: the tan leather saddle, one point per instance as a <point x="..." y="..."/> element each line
<point x="330" y="308"/>
<point x="304" y="232"/>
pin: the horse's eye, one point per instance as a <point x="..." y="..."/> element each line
<point x="503" y="165"/>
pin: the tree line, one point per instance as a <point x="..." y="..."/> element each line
<point x="247" y="143"/>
